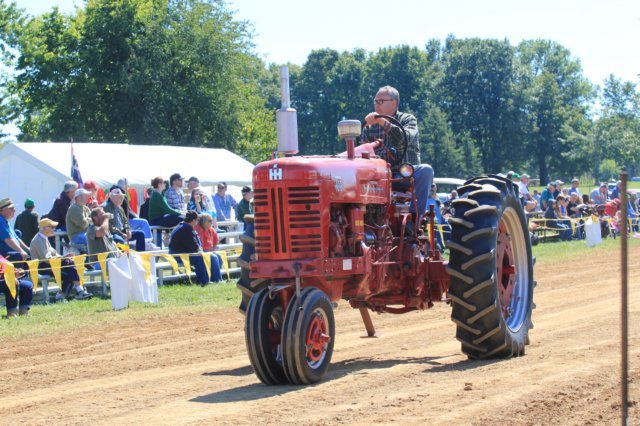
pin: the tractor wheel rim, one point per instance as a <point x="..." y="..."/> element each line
<point x="512" y="270"/>
<point x="317" y="339"/>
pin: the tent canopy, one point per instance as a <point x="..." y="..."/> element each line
<point x="105" y="163"/>
<point x="38" y="170"/>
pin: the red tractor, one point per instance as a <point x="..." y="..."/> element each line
<point x="341" y="227"/>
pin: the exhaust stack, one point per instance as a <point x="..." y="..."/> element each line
<point x="286" y="118"/>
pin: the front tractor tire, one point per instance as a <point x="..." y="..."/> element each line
<point x="308" y="337"/>
<point x="263" y="333"/>
<point x="491" y="269"/>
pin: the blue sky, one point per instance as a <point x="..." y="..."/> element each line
<point x="604" y="35"/>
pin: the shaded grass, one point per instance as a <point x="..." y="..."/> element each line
<point x="177" y="299"/>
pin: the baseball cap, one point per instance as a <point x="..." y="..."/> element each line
<point x="194" y="179"/>
<point x="48" y="222"/>
<point x="29" y="203"/>
<point x="559" y="182"/>
<point x="524" y="175"/>
<point x="515" y="176"/>
<point x="175" y="176"/>
<point x="116" y="191"/>
<point x="80" y="192"/>
<point x="246" y="189"/>
<point x="90" y="185"/>
<point x="603" y="184"/>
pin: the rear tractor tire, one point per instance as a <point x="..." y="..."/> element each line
<point x="491" y="269"/>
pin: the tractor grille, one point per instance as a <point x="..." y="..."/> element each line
<point x="287" y="222"/>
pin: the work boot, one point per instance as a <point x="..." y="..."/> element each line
<point x="23" y="311"/>
<point x="11" y="313"/>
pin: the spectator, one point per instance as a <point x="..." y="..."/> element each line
<point x="99" y="239"/>
<point x="173" y="194"/>
<point x="547" y="194"/>
<point x="558" y="189"/>
<point x="27" y="222"/>
<point x="128" y="203"/>
<point x="529" y="202"/>
<point x="185" y="240"/>
<point x="209" y="206"/>
<point x="119" y="225"/>
<point x="144" y="208"/>
<point x="160" y="213"/>
<point x="41" y="250"/>
<point x="223" y="203"/>
<point x="537" y="198"/>
<point x="58" y="212"/>
<point x="553" y="221"/>
<point x="574" y="211"/>
<point x="207" y="233"/>
<point x="616" y="191"/>
<point x="245" y="206"/>
<point x="575" y="183"/>
<point x="78" y="219"/>
<point x="600" y="195"/>
<point x="92" y="187"/>
<point x="611" y="207"/>
<point x="24" y="292"/>
<point x="11" y="246"/>
<point x="439" y="219"/>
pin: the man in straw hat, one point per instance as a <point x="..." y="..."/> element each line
<point x="41" y="249"/>
<point x="11" y="247"/>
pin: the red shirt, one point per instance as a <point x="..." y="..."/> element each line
<point x="610" y="209"/>
<point x="208" y="237"/>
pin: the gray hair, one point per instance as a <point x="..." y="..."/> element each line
<point x="391" y="91"/>
<point x="204" y="217"/>
<point x="122" y="183"/>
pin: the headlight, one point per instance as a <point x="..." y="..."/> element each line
<point x="406" y="170"/>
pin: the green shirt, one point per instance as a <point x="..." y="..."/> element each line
<point x="243" y="207"/>
<point x="77" y="220"/>
<point x="158" y="206"/>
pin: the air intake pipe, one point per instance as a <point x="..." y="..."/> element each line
<point x="286" y="118"/>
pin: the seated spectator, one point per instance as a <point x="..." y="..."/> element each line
<point x="174" y="195"/>
<point x="245" y="206"/>
<point x="600" y="195"/>
<point x="24" y="292"/>
<point x="616" y="191"/>
<point x="611" y="207"/>
<point x="528" y="201"/>
<point x="553" y="221"/>
<point x="27" y="222"/>
<point x="78" y="219"/>
<point x="41" y="250"/>
<point x="575" y="183"/>
<point x="160" y="213"/>
<point x="547" y="194"/>
<point x="119" y="225"/>
<point x="209" y="206"/>
<point x="144" y="207"/>
<point x="537" y="198"/>
<point x="559" y="188"/>
<point x="58" y="212"/>
<point x="11" y="246"/>
<point x="575" y="210"/>
<point x="207" y="233"/>
<point x="224" y="203"/>
<point x="92" y="187"/>
<point x="99" y="239"/>
<point x="185" y="240"/>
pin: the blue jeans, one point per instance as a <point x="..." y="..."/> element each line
<point x="80" y="239"/>
<point x="68" y="273"/>
<point x="423" y="178"/>
<point x="564" y="230"/>
<point x="201" y="270"/>
<point x="137" y="236"/>
<point x="138" y="224"/>
<point x="24" y="293"/>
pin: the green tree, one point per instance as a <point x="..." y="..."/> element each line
<point x="556" y="98"/>
<point x="477" y="94"/>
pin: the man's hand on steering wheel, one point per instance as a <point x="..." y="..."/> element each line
<point x="374" y="118"/>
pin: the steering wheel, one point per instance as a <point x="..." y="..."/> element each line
<point x="398" y="158"/>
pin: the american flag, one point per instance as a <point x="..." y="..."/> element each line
<point x="75" y="169"/>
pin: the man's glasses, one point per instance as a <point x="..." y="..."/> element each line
<point x="381" y="101"/>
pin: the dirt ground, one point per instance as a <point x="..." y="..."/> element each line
<point x="194" y="369"/>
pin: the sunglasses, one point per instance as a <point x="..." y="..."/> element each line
<point x="381" y="101"/>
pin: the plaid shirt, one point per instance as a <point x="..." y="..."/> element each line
<point x="175" y="199"/>
<point x="392" y="137"/>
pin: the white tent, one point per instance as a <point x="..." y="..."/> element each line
<point x="38" y="170"/>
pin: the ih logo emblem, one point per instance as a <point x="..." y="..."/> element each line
<point x="275" y="173"/>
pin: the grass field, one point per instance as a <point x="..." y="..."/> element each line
<point x="179" y="299"/>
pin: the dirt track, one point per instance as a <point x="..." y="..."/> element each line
<point x="194" y="369"/>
